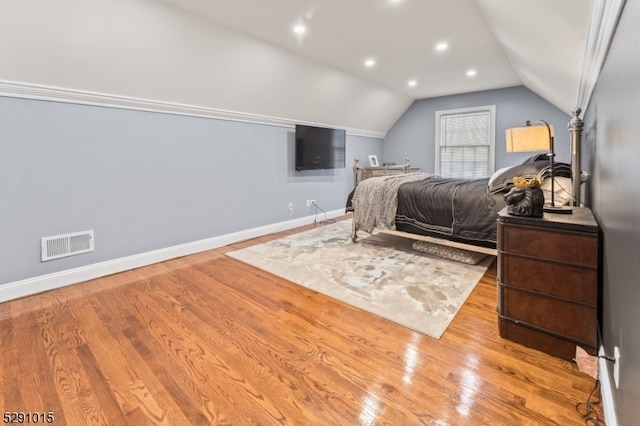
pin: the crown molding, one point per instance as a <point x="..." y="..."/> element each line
<point x="604" y="20"/>
<point x="55" y="94"/>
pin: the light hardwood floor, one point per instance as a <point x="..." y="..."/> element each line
<point x="205" y="339"/>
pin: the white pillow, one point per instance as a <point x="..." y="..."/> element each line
<point x="496" y="175"/>
<point x="562" y="190"/>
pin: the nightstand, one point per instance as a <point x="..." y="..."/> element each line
<point x="548" y="285"/>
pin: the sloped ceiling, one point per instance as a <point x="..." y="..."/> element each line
<point x="241" y="55"/>
<point x="545" y="42"/>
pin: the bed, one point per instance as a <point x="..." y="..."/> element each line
<point x="456" y="212"/>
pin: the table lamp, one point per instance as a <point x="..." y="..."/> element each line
<point x="537" y="136"/>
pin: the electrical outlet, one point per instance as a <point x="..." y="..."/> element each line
<point x="616" y="366"/>
<point x="313" y="202"/>
<point x="310" y="203"/>
<point x="290" y="207"/>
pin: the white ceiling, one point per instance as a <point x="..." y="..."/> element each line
<point x="241" y="57"/>
<point x="539" y="43"/>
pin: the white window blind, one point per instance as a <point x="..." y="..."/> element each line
<point x="465" y="138"/>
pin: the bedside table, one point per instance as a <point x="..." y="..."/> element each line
<point x="548" y="286"/>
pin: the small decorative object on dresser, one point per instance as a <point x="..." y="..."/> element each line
<point x="548" y="288"/>
<point x="525" y="198"/>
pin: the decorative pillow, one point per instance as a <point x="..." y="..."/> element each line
<point x="562" y="190"/>
<point x="498" y="175"/>
<point x="451" y="253"/>
<point x="502" y="180"/>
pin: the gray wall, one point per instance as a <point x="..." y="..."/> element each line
<point x="413" y="135"/>
<point x="145" y="181"/>
<point x="612" y="144"/>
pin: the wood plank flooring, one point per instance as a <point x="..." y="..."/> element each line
<point x="205" y="339"/>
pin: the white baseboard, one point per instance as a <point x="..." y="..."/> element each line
<point x="606" y="391"/>
<point x="39" y="284"/>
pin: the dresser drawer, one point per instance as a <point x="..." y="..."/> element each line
<point x="578" y="283"/>
<point x="575" y="321"/>
<point x="570" y="247"/>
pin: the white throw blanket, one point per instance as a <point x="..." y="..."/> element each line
<point x="375" y="201"/>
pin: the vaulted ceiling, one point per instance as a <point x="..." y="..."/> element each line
<point x="242" y="55"/>
<point x="506" y="42"/>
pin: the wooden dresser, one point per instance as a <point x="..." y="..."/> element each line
<point x="548" y="286"/>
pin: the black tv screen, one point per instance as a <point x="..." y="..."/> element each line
<point x="319" y="148"/>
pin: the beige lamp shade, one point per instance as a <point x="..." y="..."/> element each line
<point x="529" y="138"/>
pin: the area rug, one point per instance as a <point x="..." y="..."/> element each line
<point x="380" y="274"/>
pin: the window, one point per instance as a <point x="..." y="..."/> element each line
<point x="465" y="142"/>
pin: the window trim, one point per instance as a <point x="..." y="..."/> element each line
<point x="492" y="133"/>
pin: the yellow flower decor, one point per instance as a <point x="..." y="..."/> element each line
<point x="521" y="182"/>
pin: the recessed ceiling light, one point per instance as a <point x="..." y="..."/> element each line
<point x="369" y="62"/>
<point x="471" y="73"/>
<point x="412" y="83"/>
<point x="299" y="29"/>
<point x="441" y="47"/>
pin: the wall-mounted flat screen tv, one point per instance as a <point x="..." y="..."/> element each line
<point x="319" y="148"/>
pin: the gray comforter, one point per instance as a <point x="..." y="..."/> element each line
<point x="453" y="208"/>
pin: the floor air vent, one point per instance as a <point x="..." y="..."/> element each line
<point x="66" y="245"/>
